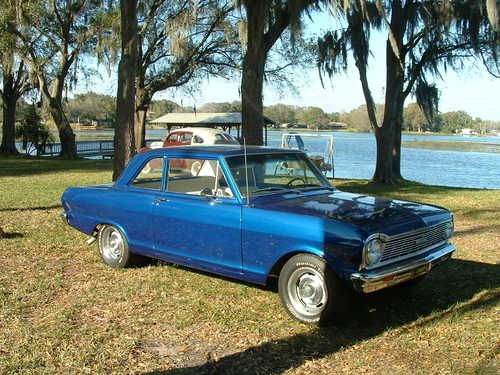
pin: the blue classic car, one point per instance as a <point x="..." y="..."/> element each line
<point x="258" y="215"/>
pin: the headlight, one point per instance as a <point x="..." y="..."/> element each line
<point x="449" y="229"/>
<point x="373" y="251"/>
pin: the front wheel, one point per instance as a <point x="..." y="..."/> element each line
<point x="311" y="292"/>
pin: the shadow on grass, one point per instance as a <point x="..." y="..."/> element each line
<point x="445" y="292"/>
<point x="478" y="229"/>
<point x="411" y="187"/>
<point x="11" y="235"/>
<point x="27" y="166"/>
<point x="36" y="208"/>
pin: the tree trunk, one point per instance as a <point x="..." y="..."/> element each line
<point x="124" y="144"/>
<point x="9" y="100"/>
<point x="9" y="126"/>
<point x="66" y="135"/>
<point x="388" y="167"/>
<point x="142" y="106"/>
<point x="397" y="130"/>
<point x="140" y="127"/>
<point x="253" y="73"/>
<point x="383" y="169"/>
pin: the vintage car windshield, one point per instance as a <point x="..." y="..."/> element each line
<point x="272" y="173"/>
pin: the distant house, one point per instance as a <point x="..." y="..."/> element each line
<point x="337" y="125"/>
<point x="468" y="131"/>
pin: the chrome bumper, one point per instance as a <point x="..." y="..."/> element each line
<point x="64" y="217"/>
<point x="373" y="280"/>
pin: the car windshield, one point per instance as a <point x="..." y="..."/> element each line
<point x="271" y="173"/>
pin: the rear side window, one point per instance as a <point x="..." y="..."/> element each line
<point x="197" y="139"/>
<point x="150" y="176"/>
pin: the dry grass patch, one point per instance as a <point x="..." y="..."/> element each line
<point x="63" y="311"/>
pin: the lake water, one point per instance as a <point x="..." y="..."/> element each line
<point x="355" y="155"/>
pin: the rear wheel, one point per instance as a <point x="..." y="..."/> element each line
<point x="311" y="292"/>
<point x="113" y="247"/>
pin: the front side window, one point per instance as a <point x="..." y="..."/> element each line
<point x="271" y="173"/>
<point x="150" y="176"/>
<point x="197" y="177"/>
<point x="172" y="138"/>
<point x="185" y="138"/>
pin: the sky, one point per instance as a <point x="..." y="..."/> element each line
<point x="472" y="89"/>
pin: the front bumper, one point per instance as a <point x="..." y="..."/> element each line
<point x="64" y="217"/>
<point x="373" y="280"/>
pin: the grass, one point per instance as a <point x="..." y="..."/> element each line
<point x="63" y="311"/>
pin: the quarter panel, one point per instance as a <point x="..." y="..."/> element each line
<point x="128" y="209"/>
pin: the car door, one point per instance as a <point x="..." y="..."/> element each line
<point x="130" y="207"/>
<point x="196" y="220"/>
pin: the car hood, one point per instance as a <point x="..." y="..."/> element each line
<point x="371" y="214"/>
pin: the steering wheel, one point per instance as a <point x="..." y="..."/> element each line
<point x="296" y="179"/>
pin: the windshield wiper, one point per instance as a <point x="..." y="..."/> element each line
<point x="277" y="188"/>
<point x="270" y="188"/>
<point x="309" y="185"/>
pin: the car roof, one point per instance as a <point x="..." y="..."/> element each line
<point x="198" y="131"/>
<point x="194" y="152"/>
<point x="218" y="150"/>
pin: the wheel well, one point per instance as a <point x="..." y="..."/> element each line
<point x="97" y="228"/>
<point x="276" y="269"/>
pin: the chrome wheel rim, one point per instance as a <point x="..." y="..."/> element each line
<point x="307" y="291"/>
<point x="112" y="245"/>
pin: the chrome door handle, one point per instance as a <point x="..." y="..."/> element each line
<point x="158" y="200"/>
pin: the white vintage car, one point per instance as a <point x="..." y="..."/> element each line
<point x="191" y="137"/>
<point x="196" y="136"/>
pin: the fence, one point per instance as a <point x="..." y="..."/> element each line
<point x="104" y="148"/>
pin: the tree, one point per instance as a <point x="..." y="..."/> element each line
<point x="423" y="37"/>
<point x="313" y="117"/>
<point x="181" y="42"/>
<point x="358" y="118"/>
<point x="124" y="144"/>
<point x="160" y="107"/>
<point x="454" y="122"/>
<point x="234" y="106"/>
<point x="53" y="36"/>
<point x="414" y="118"/>
<point x="90" y="107"/>
<point x="266" y="21"/>
<point x="281" y="113"/>
<point x="14" y="80"/>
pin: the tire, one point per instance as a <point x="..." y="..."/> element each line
<point x="113" y="247"/>
<point x="311" y="292"/>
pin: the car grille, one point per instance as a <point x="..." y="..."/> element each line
<point x="406" y="244"/>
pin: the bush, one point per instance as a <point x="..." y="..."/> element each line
<point x="33" y="134"/>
